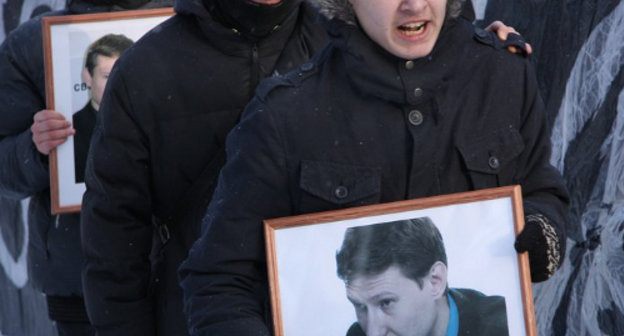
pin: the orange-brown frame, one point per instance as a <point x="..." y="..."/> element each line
<point x="47" y="23"/>
<point x="514" y="192"/>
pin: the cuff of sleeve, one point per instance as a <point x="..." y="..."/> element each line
<point x="29" y="153"/>
<point x="67" y="308"/>
<point x="23" y="171"/>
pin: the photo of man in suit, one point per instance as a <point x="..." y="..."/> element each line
<point x="395" y="276"/>
<point x="99" y="60"/>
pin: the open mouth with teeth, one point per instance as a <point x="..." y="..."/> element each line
<point x="413" y="28"/>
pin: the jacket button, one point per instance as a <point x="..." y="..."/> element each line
<point x="493" y="162"/>
<point x="418" y="92"/>
<point x="409" y="65"/>
<point x="415" y="117"/>
<point x="341" y="192"/>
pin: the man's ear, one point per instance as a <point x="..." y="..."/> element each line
<point x="86" y="77"/>
<point x="438" y="279"/>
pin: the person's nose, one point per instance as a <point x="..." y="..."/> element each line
<point x="376" y="323"/>
<point x="412" y="6"/>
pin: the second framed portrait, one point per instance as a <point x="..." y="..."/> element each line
<point x="443" y="265"/>
<point x="80" y="51"/>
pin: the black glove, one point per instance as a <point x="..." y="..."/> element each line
<point x="540" y="239"/>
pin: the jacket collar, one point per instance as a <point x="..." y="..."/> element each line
<point x="232" y="42"/>
<point x="375" y="72"/>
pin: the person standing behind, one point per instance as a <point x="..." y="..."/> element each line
<point x="99" y="60"/>
<point x="159" y="145"/>
<point x="28" y="132"/>
<point x="408" y="100"/>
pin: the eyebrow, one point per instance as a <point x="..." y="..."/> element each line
<point x="353" y="300"/>
<point x="383" y="294"/>
<point x="374" y="298"/>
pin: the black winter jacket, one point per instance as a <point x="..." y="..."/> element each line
<point x="170" y="101"/>
<point x="358" y="126"/>
<point x="54" y="257"/>
<point x="83" y="122"/>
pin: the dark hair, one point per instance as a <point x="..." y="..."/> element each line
<point x="110" y="45"/>
<point x="413" y="244"/>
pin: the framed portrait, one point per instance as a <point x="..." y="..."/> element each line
<point x="76" y="68"/>
<point x="423" y="265"/>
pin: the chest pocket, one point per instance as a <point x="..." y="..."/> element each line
<point x="328" y="186"/>
<point x="489" y="159"/>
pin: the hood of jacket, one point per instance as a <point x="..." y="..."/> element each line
<point x="252" y="19"/>
<point x="251" y="16"/>
<point x="98" y="6"/>
<point x="232" y="42"/>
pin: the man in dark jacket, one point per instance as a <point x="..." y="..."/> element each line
<point x="420" y="104"/>
<point x="28" y="132"/>
<point x="396" y="277"/>
<point x="159" y="144"/>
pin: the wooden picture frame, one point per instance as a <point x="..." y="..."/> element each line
<point x="65" y="41"/>
<point x="308" y="298"/>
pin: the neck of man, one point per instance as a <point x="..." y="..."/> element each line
<point x="444" y="312"/>
<point x="95" y="105"/>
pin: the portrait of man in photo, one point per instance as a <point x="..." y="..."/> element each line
<point x="100" y="57"/>
<point x="395" y="275"/>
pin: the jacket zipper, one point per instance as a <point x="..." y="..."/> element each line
<point x="255" y="70"/>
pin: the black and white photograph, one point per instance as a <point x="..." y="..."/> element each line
<point x="81" y="51"/>
<point x="450" y="266"/>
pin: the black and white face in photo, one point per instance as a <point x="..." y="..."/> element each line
<point x="480" y="255"/>
<point x="97" y="80"/>
<point x="391" y="304"/>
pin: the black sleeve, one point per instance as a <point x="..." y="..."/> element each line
<point x="225" y="278"/>
<point x="116" y="219"/>
<point x="23" y="170"/>
<point x="543" y="187"/>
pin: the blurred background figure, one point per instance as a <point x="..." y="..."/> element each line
<point x="28" y="132"/>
